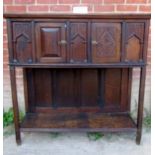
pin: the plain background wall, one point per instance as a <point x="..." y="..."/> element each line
<point x="66" y="6"/>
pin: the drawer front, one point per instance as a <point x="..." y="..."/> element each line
<point x="21" y="42"/>
<point x="134" y="45"/>
<point x="78" y="42"/>
<point x="106" y="42"/>
<point x="51" y="42"/>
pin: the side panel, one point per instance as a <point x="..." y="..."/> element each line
<point x="22" y="42"/>
<point x="78" y="42"/>
<point x="134" y="41"/>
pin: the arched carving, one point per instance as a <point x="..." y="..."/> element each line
<point x="78" y="40"/>
<point x="22" y="41"/>
<point x="106" y="44"/>
<point x="133" y="48"/>
<point x="134" y="41"/>
<point x="22" y="36"/>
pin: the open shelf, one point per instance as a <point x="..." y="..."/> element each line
<point x="88" y="122"/>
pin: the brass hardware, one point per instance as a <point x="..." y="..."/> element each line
<point x="62" y="42"/>
<point x="94" y="42"/>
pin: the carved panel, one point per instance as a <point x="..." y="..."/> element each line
<point x="78" y="42"/>
<point x="134" y="41"/>
<point x="22" y="42"/>
<point x="106" y="42"/>
<point x="51" y="42"/>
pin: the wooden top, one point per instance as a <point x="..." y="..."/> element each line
<point x="84" y="16"/>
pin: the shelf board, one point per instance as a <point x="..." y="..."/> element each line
<point x="87" y="122"/>
<point x="76" y="15"/>
<point x="80" y="65"/>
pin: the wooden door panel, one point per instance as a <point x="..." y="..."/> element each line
<point x="22" y="42"/>
<point x="51" y="42"/>
<point x="106" y="42"/>
<point x="134" y="41"/>
<point x="112" y="88"/>
<point x="78" y="42"/>
<point x="65" y="89"/>
<point x="89" y="88"/>
<point x="80" y="88"/>
<point x="43" y="87"/>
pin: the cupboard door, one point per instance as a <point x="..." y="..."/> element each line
<point x="78" y="42"/>
<point x="21" y="42"/>
<point x="106" y="42"/>
<point x="134" y="41"/>
<point x="51" y="42"/>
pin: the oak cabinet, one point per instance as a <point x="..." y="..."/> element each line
<point x="77" y="71"/>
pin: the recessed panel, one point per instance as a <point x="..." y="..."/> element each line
<point x="78" y="42"/>
<point x="49" y="42"/>
<point x="134" y="41"/>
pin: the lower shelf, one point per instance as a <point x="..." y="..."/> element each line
<point x="95" y="122"/>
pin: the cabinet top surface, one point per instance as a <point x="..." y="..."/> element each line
<point x="73" y="15"/>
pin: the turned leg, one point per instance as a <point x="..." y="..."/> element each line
<point x="15" y="104"/>
<point x="140" y="104"/>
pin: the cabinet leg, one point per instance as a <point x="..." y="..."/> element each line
<point x="140" y="104"/>
<point x="15" y="104"/>
<point x="18" y="138"/>
<point x="138" y="137"/>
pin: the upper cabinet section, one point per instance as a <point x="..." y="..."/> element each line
<point x="78" y="39"/>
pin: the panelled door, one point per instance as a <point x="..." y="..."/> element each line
<point x="51" y="42"/>
<point x="106" y="42"/>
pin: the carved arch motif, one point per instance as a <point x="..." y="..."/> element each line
<point x="106" y="42"/>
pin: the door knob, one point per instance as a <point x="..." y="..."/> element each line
<point x="62" y="42"/>
<point x="94" y="42"/>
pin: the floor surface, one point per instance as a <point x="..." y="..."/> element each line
<point x="76" y="144"/>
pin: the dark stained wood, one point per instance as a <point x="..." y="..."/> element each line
<point x="78" y="42"/>
<point x="31" y="90"/>
<point x="78" y="122"/>
<point x="113" y="88"/>
<point x="15" y="104"/>
<point x="22" y="42"/>
<point x="51" y="42"/>
<point x="140" y="104"/>
<point x="25" y="90"/>
<point x="77" y="70"/>
<point x="72" y="88"/>
<point x="106" y="42"/>
<point x="134" y="41"/>
<point x="79" y="16"/>
<point x="81" y="65"/>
